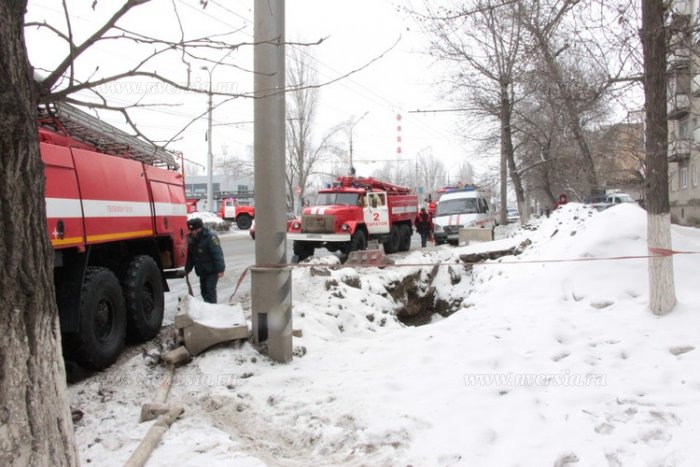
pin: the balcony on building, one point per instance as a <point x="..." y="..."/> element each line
<point x="679" y="59"/>
<point x="695" y="85"/>
<point x="679" y="150"/>
<point x="678" y="106"/>
<point x="682" y="7"/>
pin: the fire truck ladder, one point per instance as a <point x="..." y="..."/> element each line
<point x="105" y="137"/>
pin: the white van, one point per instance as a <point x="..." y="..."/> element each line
<point x="462" y="209"/>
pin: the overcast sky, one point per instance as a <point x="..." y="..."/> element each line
<point x="356" y="32"/>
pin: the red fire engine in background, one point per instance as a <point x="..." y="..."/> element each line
<point x="232" y="210"/>
<point x="353" y="211"/>
<point x="116" y="213"/>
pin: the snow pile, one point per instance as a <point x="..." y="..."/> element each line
<point x="212" y="315"/>
<point x="542" y="363"/>
<point x="207" y="217"/>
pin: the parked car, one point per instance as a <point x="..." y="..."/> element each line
<point x="612" y="200"/>
<point x="290" y="217"/>
<point x="513" y="215"/>
<point x="618" y="198"/>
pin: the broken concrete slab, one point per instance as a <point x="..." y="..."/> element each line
<point x="369" y="257"/>
<point x="205" y="324"/>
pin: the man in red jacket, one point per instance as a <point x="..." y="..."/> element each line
<point x="424" y="226"/>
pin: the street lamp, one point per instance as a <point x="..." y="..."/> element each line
<point x="210" y="156"/>
<point x="352" y="169"/>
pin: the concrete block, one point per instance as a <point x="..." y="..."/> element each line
<point x="369" y="257"/>
<point x="474" y="234"/>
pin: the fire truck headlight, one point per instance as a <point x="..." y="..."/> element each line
<point x="296" y="225"/>
<point x="345" y="227"/>
<point x="438" y="228"/>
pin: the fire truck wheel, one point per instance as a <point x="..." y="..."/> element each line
<point x="244" y="222"/>
<point x="100" y="337"/>
<point x="358" y="241"/>
<point x="392" y="243"/>
<point x="302" y="250"/>
<point x="405" y="240"/>
<point x="143" y="291"/>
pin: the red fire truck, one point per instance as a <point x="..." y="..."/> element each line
<point x="232" y="210"/>
<point x="116" y="214"/>
<point x="353" y="211"/>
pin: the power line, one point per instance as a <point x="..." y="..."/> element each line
<point x="373" y="95"/>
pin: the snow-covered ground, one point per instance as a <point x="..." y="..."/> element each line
<point x="541" y="363"/>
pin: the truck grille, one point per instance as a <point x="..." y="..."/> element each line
<point x="452" y="229"/>
<point x="317" y="224"/>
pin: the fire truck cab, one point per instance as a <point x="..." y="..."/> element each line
<point x="232" y="210"/>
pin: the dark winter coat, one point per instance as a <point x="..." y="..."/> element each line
<point x="424" y="223"/>
<point x="204" y="254"/>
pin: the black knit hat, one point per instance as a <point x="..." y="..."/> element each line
<point x="195" y="223"/>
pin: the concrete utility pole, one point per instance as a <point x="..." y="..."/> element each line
<point x="271" y="289"/>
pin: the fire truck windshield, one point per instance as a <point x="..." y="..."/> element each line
<point x="327" y="199"/>
<point x="457" y="206"/>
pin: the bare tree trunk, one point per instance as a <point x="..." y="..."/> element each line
<point x="507" y="149"/>
<point x="571" y="112"/>
<point x="548" y="186"/>
<point x="35" y="421"/>
<point x="662" y="294"/>
<point x="503" y="213"/>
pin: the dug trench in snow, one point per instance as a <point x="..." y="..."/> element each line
<point x="417" y="293"/>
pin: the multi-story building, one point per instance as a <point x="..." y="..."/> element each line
<point x="683" y="106"/>
<point x="618" y="156"/>
<point x="223" y="186"/>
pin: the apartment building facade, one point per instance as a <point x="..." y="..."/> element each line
<point x="683" y="107"/>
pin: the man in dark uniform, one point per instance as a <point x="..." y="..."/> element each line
<point x="205" y="256"/>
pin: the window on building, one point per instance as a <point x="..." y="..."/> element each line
<point x="684" y="128"/>
<point x="682" y="80"/>
<point x="683" y="178"/>
<point x="672" y="181"/>
<point x="694" y="175"/>
<point x="243" y="188"/>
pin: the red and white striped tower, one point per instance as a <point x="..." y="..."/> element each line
<point x="398" y="135"/>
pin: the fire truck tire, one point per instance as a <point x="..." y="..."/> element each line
<point x="244" y="221"/>
<point x="358" y="241"/>
<point x="143" y="293"/>
<point x="392" y="243"/>
<point x="100" y="337"/>
<point x="405" y="238"/>
<point x="302" y="250"/>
